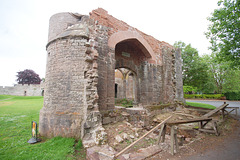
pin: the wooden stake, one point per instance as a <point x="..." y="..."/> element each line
<point x="172" y="140"/>
<point x="214" y="124"/>
<point x="164" y="133"/>
<point x="125" y="149"/>
<point x="161" y="137"/>
<point x="176" y="141"/>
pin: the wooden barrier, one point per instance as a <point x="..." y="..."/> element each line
<point x="172" y="124"/>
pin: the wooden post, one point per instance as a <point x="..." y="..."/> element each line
<point x="164" y="133"/>
<point x="201" y="124"/>
<point x="172" y="140"/>
<point x="125" y="149"/>
<point x="160" y="134"/>
<point x="175" y="139"/>
<point x="214" y="124"/>
<point x="223" y="114"/>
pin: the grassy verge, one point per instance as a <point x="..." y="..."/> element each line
<point x="124" y="102"/>
<point x="200" y="105"/>
<point x="16" y="114"/>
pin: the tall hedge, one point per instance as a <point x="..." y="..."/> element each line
<point x="203" y="96"/>
<point x="232" y="95"/>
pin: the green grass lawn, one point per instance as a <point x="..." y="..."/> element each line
<point x="201" y="105"/>
<point x="16" y="115"/>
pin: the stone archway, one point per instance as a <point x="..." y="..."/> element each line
<point x="125" y="84"/>
<point x="132" y="35"/>
<point x="131" y="51"/>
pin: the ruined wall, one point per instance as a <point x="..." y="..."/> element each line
<point x="83" y="53"/>
<point x="178" y="72"/>
<point x="23" y="90"/>
<point x="156" y="75"/>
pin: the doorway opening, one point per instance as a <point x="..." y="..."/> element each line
<point x="125" y="84"/>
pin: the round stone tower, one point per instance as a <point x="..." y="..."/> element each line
<point x="70" y="102"/>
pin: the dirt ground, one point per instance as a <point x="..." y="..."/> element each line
<point x="190" y="140"/>
<point x="229" y="131"/>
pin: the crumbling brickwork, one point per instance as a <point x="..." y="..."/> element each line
<point x="83" y="53"/>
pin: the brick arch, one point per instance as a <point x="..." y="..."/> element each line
<point x="126" y="35"/>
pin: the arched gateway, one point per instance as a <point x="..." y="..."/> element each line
<point x="82" y="55"/>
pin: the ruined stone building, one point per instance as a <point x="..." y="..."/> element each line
<point x="83" y="53"/>
<point x="23" y="90"/>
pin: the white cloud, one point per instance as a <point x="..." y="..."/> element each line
<point x="24" y="26"/>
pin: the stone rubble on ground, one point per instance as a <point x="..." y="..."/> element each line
<point x="118" y="139"/>
<point x="103" y="152"/>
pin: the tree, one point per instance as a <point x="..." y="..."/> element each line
<point x="28" y="76"/>
<point x="232" y="81"/>
<point x="217" y="71"/>
<point x="225" y="78"/>
<point x="224" y="31"/>
<point x="194" y="69"/>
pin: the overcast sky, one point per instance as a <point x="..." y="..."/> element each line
<point x="24" y="26"/>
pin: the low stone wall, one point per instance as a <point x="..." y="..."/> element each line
<point x="23" y="90"/>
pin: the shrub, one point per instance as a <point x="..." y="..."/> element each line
<point x="203" y="96"/>
<point x="190" y="96"/>
<point x="124" y="102"/>
<point x="189" y="89"/>
<point x="232" y="95"/>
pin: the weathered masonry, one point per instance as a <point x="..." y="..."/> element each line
<point x="83" y="52"/>
<point x="23" y="90"/>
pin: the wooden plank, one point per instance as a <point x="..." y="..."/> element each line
<point x="187" y="115"/>
<point x="215" y="110"/>
<point x="203" y="125"/>
<point x="200" y="110"/>
<point x="189" y="121"/>
<point x="231" y="111"/>
<point x="207" y="130"/>
<point x="125" y="149"/>
<point x="232" y="107"/>
<point x="231" y="115"/>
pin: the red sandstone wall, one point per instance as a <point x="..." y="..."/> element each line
<point x="103" y="18"/>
